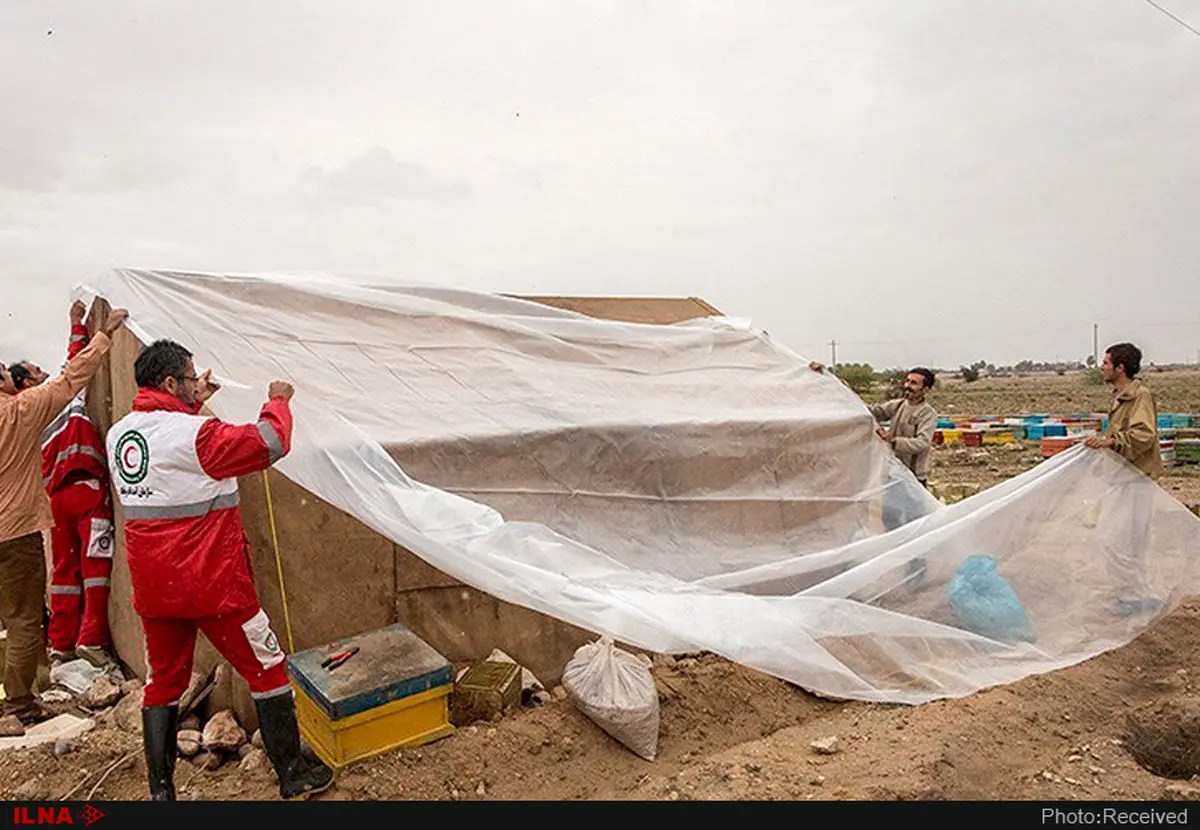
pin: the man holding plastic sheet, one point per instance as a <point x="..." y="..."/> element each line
<point x="25" y="513"/>
<point x="177" y="473"/>
<point x="913" y="423"/>
<point x="1133" y="434"/>
<point x="76" y="479"/>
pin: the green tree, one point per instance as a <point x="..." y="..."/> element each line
<point x="858" y="376"/>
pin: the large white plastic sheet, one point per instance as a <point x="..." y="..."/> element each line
<point x="686" y="487"/>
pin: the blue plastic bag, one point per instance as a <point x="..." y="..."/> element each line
<point x="986" y="603"/>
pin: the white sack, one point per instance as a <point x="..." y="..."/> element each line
<point x="616" y="690"/>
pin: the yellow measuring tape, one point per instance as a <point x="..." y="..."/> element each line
<point x="287" y="619"/>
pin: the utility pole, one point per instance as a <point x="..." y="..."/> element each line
<point x="1095" y="345"/>
<point x="833" y="356"/>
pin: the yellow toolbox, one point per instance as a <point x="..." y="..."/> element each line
<point x="391" y="690"/>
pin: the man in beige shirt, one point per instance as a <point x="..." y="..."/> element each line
<point x="913" y="421"/>
<point x="25" y="514"/>
<point x="1133" y="434"/>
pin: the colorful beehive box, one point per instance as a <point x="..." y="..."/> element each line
<point x="1035" y="432"/>
<point x="1053" y="445"/>
<point x="1181" y="421"/>
<point x="951" y="436"/>
<point x="1054" y="430"/>
<point x="393" y="692"/>
<point x="972" y="437"/>
<point x="1187" y="451"/>
<point x="997" y="436"/>
<point x="1166" y="448"/>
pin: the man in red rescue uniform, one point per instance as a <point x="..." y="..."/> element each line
<point x="76" y="479"/>
<point x="175" y="473"/>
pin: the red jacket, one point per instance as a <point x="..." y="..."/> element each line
<point x="175" y="473"/>
<point x="72" y="449"/>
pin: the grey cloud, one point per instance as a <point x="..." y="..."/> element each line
<point x="31" y="159"/>
<point x="377" y="176"/>
<point x="124" y="172"/>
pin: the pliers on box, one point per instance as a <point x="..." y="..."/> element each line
<point x="334" y="660"/>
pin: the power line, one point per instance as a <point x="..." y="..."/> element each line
<point x="1182" y="23"/>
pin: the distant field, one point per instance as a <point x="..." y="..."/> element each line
<point x="1048" y="394"/>
<point x="1051" y="394"/>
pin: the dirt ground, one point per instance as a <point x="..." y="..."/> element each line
<point x="732" y="733"/>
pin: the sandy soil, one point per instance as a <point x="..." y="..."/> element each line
<point x="731" y="733"/>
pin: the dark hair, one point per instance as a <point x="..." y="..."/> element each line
<point x="19" y="374"/>
<point x="925" y="373"/>
<point x="160" y="360"/>
<point x="1127" y="355"/>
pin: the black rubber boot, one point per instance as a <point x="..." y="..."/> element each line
<point x="158" y="738"/>
<point x="281" y="740"/>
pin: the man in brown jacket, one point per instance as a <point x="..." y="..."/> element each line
<point x="25" y="514"/>
<point x="1133" y="416"/>
<point x="913" y="421"/>
<point x="1133" y="434"/>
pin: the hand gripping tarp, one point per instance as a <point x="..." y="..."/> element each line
<point x="686" y="487"/>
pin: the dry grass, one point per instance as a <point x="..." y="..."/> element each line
<point x="1051" y="394"/>
<point x="1164" y="737"/>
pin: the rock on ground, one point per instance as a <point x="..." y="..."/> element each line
<point x="254" y="760"/>
<point x="209" y="761"/>
<point x="11" y="727"/>
<point x="189" y="741"/>
<point x="128" y="713"/>
<point x="104" y="693"/>
<point x="223" y="733"/>
<point x="31" y="790"/>
<point x="825" y="746"/>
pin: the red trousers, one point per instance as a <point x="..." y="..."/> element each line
<point x="81" y="549"/>
<point x="244" y="638"/>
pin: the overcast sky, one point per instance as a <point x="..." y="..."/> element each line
<point x="925" y="182"/>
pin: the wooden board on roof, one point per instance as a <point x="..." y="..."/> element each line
<point x="660" y="310"/>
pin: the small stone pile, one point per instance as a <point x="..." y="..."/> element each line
<point x="222" y="739"/>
